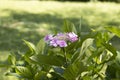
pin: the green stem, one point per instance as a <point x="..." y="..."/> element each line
<point x="65" y="55"/>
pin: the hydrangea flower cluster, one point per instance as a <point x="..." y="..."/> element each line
<point x="60" y="39"/>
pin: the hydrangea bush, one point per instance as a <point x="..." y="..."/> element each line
<point x="68" y="55"/>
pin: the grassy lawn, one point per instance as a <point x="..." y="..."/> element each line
<point x="31" y="20"/>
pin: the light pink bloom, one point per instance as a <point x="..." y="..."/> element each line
<point x="61" y="43"/>
<point x="48" y="37"/>
<point x="72" y="37"/>
<point x="61" y="39"/>
<point x="53" y="43"/>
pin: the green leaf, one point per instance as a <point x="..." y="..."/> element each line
<point x="40" y="46"/>
<point x="110" y="72"/>
<point x="27" y="59"/>
<point x="71" y="47"/>
<point x="12" y="59"/>
<point x="49" y="60"/>
<point x="111" y="49"/>
<point x="118" y="60"/>
<point x="114" y="30"/>
<point x="31" y="46"/>
<point x="79" y="55"/>
<point x="56" y="76"/>
<point x="118" y="74"/>
<point x="84" y="37"/>
<point x="102" y="37"/>
<point x="113" y="70"/>
<point x="41" y="75"/>
<point x="79" y="44"/>
<point x="12" y="74"/>
<point x="24" y="72"/>
<point x="68" y="27"/>
<point x="79" y="28"/>
<point x="74" y="70"/>
<point x="87" y="78"/>
<point x="88" y="42"/>
<point x="96" y="53"/>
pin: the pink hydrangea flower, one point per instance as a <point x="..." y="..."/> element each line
<point x="53" y="43"/>
<point x="72" y="36"/>
<point x="61" y="36"/>
<point x="61" y="39"/>
<point x="48" y="37"/>
<point x="61" y="43"/>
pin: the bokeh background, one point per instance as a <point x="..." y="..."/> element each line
<point x="32" y="19"/>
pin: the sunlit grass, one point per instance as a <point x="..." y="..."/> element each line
<point x="93" y="13"/>
<point x="40" y="7"/>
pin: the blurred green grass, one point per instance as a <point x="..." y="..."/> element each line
<point x="31" y="20"/>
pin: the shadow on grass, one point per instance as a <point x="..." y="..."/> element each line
<point x="13" y="28"/>
<point x="40" y="18"/>
<point x="11" y="35"/>
<point x="11" y="39"/>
